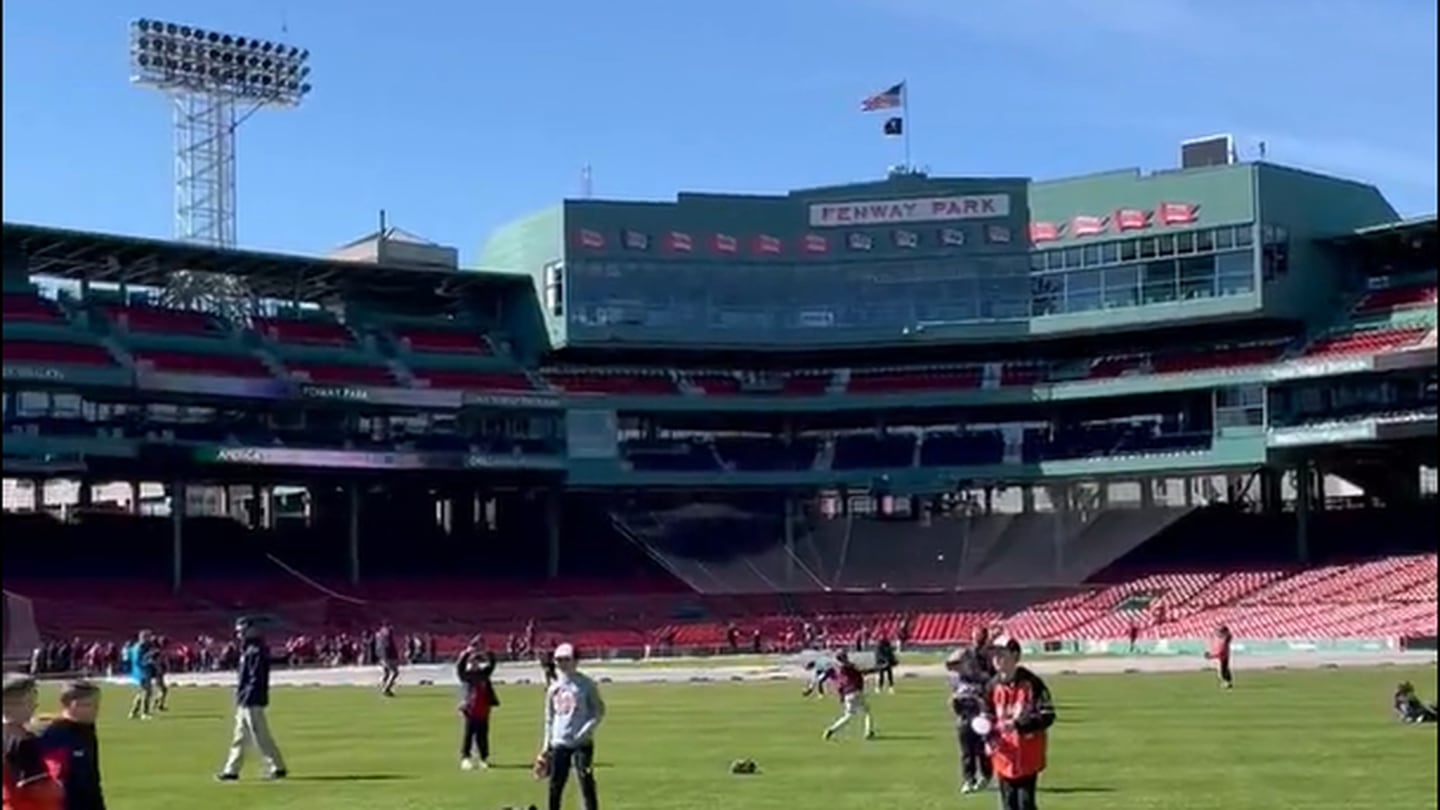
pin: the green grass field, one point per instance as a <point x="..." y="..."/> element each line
<point x="1298" y="739"/>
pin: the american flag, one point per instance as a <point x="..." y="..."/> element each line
<point x="678" y="242"/>
<point x="591" y="239"/>
<point x="1128" y="219"/>
<point x="1088" y="225"/>
<point x="1043" y="232"/>
<point x="1176" y="213"/>
<point x="725" y="243"/>
<point x="765" y="243"/>
<point x="885" y="100"/>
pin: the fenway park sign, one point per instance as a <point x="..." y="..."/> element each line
<point x="915" y="209"/>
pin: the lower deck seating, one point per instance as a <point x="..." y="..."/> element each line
<point x="1382" y="598"/>
<point x="45" y="351"/>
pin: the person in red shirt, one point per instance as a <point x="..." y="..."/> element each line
<point x="1020" y="714"/>
<point x="27" y="782"/>
<point x="475" y="670"/>
<point x="850" y="686"/>
<point x="1220" y="654"/>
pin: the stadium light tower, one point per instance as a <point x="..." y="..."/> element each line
<point x="208" y="75"/>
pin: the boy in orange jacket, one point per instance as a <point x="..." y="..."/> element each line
<point x="1020" y="713"/>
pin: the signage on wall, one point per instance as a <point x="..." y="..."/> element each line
<point x="904" y="211"/>
<point x="859" y="241"/>
<point x="952" y="237"/>
<point x="725" y="243"/>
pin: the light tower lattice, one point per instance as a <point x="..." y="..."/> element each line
<point x="215" y="81"/>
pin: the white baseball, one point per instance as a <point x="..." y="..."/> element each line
<point x="982" y="726"/>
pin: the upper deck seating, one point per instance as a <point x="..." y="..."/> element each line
<point x="716" y="384"/>
<point x="27" y="306"/>
<point x="48" y="351"/>
<point x="870" y="382"/>
<point x="1227" y="357"/>
<point x="159" y="320"/>
<point x="617" y="383"/>
<point x="224" y="365"/>
<point x="467" y="380"/>
<point x="1366" y="341"/>
<point x="1392" y="298"/>
<point x="441" y="340"/>
<point x="341" y="373"/>
<point x="807" y="383"/>
<point x="307" y="332"/>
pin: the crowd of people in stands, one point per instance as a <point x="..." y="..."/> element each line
<point x="208" y="654"/>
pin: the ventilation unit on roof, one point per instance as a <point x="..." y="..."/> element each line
<point x="1212" y="150"/>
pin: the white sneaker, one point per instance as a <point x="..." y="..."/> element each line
<point x="968" y="787"/>
<point x="483" y="765"/>
<point x="467" y="764"/>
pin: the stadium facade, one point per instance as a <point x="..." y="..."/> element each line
<point x="915" y="384"/>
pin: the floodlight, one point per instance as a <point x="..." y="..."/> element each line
<point x="208" y="74"/>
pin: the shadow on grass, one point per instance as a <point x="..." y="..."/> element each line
<point x="1074" y="790"/>
<point x="351" y="777"/>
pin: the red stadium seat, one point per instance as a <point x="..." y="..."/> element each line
<point x="43" y="351"/>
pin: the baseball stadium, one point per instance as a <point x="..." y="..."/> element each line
<point x="704" y="437"/>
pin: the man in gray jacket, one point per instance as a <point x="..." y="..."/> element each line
<point x="573" y="710"/>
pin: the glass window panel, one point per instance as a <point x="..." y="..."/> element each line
<point x="1197" y="267"/>
<point x="1204" y="240"/>
<point x="1122" y="286"/>
<point x="1158" y="282"/>
<point x="1184" y="243"/>
<point x="1224" y="238"/>
<point x="1092" y="255"/>
<point x="1165" y="245"/>
<point x="1082" y="291"/>
<point x="1037" y="261"/>
<point x="1074" y="258"/>
<point x="1055" y="260"/>
<point x="1244" y="236"/>
<point x="1147" y="248"/>
<point x="1110" y="252"/>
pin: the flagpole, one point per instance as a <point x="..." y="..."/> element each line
<point x="905" y="122"/>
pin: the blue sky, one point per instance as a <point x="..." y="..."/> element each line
<point x="457" y="116"/>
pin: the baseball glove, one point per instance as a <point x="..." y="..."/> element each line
<point x="541" y="768"/>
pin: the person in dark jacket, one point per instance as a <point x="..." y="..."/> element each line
<point x="969" y="678"/>
<point x="1409" y="708"/>
<point x="1020" y="714"/>
<point x="885" y="662"/>
<point x="547" y="667"/>
<point x="71" y="748"/>
<point x="252" y="698"/>
<point x="478" y="699"/>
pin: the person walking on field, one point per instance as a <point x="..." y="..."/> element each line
<point x="252" y="699"/>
